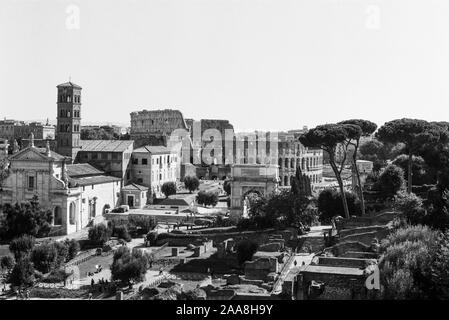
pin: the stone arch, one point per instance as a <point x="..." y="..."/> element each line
<point x="72" y="213"/>
<point x="57" y="216"/>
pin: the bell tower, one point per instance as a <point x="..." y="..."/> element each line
<point x="69" y="120"/>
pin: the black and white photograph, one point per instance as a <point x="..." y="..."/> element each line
<point x="250" y="152"/>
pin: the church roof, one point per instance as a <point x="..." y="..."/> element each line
<point x="82" y="169"/>
<point x="105" y="145"/>
<point x="69" y="84"/>
<point x="39" y="154"/>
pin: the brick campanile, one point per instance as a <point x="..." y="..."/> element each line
<point x="69" y="120"/>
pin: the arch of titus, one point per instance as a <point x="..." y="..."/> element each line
<point x="246" y="178"/>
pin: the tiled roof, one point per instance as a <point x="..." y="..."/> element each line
<point x="69" y="84"/>
<point x="82" y="169"/>
<point x="92" y="180"/>
<point x="134" y="186"/>
<point x="105" y="145"/>
<point x="154" y="149"/>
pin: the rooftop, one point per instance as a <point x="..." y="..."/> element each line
<point x="53" y="154"/>
<point x="153" y="150"/>
<point x="85" y="181"/>
<point x="105" y="145"/>
<point x="82" y="169"/>
<point x="69" y="84"/>
<point x="333" y="270"/>
<point x="134" y="186"/>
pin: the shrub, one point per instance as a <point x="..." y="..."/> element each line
<point x="411" y="206"/>
<point x="128" y="267"/>
<point x="22" y="274"/>
<point x="227" y="187"/>
<point x="56" y="276"/>
<point x="73" y="248"/>
<point x="419" y="169"/>
<point x="45" y="257"/>
<point x="391" y="180"/>
<point x="411" y="233"/>
<point x="330" y="204"/>
<point x="191" y="183"/>
<point x="414" y="264"/>
<point x="7" y="262"/>
<point x="194" y="294"/>
<point x="122" y="233"/>
<point x="99" y="234"/>
<point x="25" y="219"/>
<point x="63" y="252"/>
<point x="143" y="223"/>
<point x="245" y="250"/>
<point x="22" y="246"/>
<point x="58" y="293"/>
<point x="168" y="189"/>
<point x="207" y="198"/>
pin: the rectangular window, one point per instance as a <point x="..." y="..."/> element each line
<point x="30" y="182"/>
<point x="104" y="156"/>
<point x="144" y="161"/>
<point x="135" y="161"/>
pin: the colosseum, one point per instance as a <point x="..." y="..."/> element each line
<point x="292" y="153"/>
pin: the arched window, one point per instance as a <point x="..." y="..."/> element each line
<point x="72" y="209"/>
<point x="286" y="182"/>
<point x="280" y="162"/>
<point x="292" y="163"/>
<point x="286" y="163"/>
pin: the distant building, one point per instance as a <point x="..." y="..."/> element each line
<point x="364" y="167"/>
<point x="110" y="156"/>
<point x="12" y="129"/>
<point x="7" y="128"/>
<point x="154" y="127"/>
<point x="135" y="195"/>
<point x="152" y="166"/>
<point x="293" y="154"/>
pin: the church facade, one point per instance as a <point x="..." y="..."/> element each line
<point x="76" y="194"/>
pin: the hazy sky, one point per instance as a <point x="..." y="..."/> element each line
<point x="269" y="65"/>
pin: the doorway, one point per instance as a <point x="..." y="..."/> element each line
<point x="130" y="201"/>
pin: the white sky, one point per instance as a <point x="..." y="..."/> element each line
<point x="262" y="64"/>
